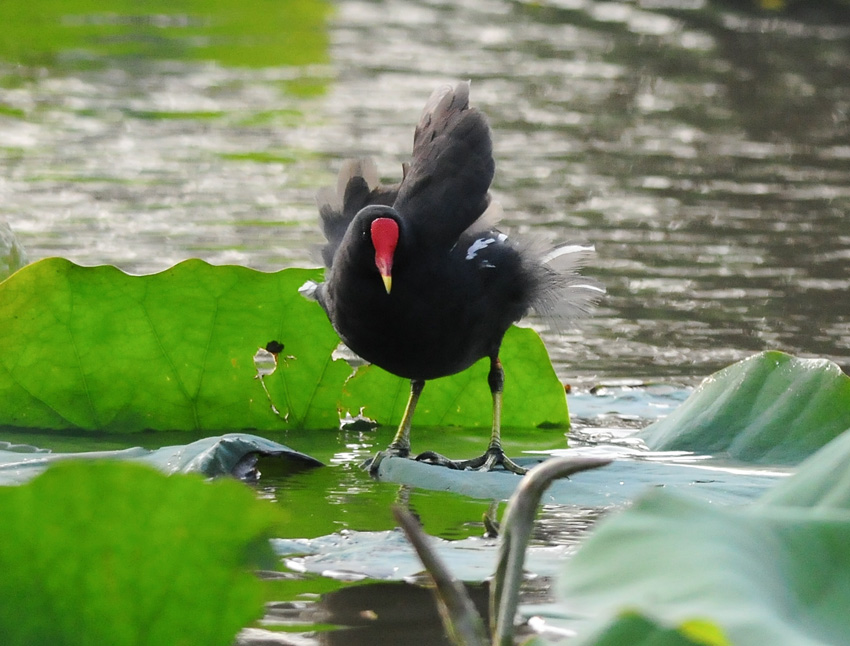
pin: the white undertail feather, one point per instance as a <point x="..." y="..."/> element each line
<point x="567" y="295"/>
<point x="308" y="290"/>
<point x="574" y="255"/>
<point x="326" y="196"/>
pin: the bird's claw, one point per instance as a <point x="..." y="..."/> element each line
<point x="371" y="464"/>
<point x="494" y="457"/>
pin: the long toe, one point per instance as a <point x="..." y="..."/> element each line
<point x="430" y="457"/>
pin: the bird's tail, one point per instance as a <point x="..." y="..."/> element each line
<point x="565" y="295"/>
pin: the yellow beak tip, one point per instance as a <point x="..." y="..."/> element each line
<point x="388" y="283"/>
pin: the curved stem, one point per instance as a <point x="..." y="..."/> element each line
<point x="516" y="530"/>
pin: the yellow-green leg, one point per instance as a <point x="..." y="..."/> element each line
<point x="400" y="446"/>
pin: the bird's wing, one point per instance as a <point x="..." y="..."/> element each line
<point x="357" y="187"/>
<point x="444" y="190"/>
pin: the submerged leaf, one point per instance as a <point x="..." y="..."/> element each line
<point x="770" y="408"/>
<point x="116" y="553"/>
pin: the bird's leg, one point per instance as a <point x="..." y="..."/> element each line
<point x="400" y="446"/>
<point x="494" y="455"/>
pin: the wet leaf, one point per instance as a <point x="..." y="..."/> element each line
<point x="234" y="454"/>
<point x="624" y="480"/>
<point x="117" y="553"/>
<point x="389" y="556"/>
<point x="770" y="408"/>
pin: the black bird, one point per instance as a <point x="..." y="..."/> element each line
<point x="419" y="282"/>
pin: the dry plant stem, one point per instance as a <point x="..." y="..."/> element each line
<point x="460" y="618"/>
<point x="516" y="530"/>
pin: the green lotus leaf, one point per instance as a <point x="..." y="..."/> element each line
<point x="117" y="553"/>
<point x="770" y="408"/>
<point x="94" y="348"/>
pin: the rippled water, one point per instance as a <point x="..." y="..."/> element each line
<point x="705" y="153"/>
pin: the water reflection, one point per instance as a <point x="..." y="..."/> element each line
<point x="375" y="613"/>
<point x="704" y="151"/>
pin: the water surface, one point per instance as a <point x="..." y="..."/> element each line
<point x="704" y="152"/>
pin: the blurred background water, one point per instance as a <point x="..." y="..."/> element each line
<point x="703" y="147"/>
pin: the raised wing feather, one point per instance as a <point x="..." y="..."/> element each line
<point x="445" y="188"/>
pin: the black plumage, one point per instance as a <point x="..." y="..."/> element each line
<point x="419" y="281"/>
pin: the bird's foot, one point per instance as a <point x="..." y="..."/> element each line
<point x="492" y="458"/>
<point x="392" y="451"/>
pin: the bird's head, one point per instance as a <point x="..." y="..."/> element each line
<point x="383" y="230"/>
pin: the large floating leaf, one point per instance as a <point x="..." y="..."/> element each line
<point x="116" y="553"/>
<point x="619" y="483"/>
<point x="94" y="348"/>
<point x="770" y="408"/>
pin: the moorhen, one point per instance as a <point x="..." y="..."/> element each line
<point x="420" y="283"/>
